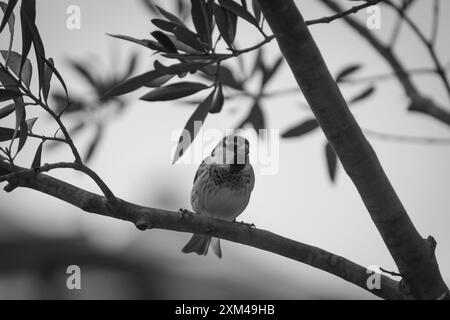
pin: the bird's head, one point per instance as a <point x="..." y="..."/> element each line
<point x="231" y="153"/>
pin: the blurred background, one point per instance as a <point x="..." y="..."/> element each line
<point x="41" y="236"/>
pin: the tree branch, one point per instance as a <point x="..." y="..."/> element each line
<point x="78" y="164"/>
<point x="406" y="138"/>
<point x="344" y="13"/>
<point x="419" y="102"/>
<point x="413" y="255"/>
<point x="151" y="218"/>
<point x="60" y="165"/>
<point x="429" y="44"/>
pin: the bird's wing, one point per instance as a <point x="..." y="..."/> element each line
<point x="199" y="170"/>
<point x="252" y="177"/>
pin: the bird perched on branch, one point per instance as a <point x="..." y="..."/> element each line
<point x="222" y="187"/>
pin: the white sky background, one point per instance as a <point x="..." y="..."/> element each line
<point x="299" y="202"/>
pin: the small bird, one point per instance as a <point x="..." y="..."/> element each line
<point x="222" y="187"/>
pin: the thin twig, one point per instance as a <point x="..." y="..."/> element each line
<point x="358" y="158"/>
<point x="398" y="24"/>
<point x="252" y="48"/>
<point x="59" y="122"/>
<point x="342" y="14"/>
<point x="392" y="273"/>
<point x="39" y="102"/>
<point x="45" y="138"/>
<point x="427" y="43"/>
<point x="395" y="32"/>
<point x="419" y="101"/>
<point x="149" y="218"/>
<point x="387" y="76"/>
<point x="350" y="80"/>
<point x="225" y="56"/>
<point x="78" y="164"/>
<point x="405" y="138"/>
<point x="435" y="26"/>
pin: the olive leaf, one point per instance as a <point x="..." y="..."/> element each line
<point x="153" y="78"/>
<point x="363" y="95"/>
<point x="37" y="157"/>
<point x="255" y="118"/>
<point x="218" y="99"/>
<point x="6" y="94"/>
<point x="189" y="38"/>
<point x="301" y="129"/>
<point x="6" y="111"/>
<point x="256" y="10"/>
<point x="8" y="13"/>
<point x="164" y="40"/>
<point x="331" y="161"/>
<point x="199" y="115"/>
<point x="174" y="91"/>
<point x="201" y="20"/>
<point x="143" y="42"/>
<point x="27" y="17"/>
<point x="50" y="64"/>
<point x="347" y="71"/>
<point x="30" y="123"/>
<point x="269" y="73"/>
<point x="94" y="143"/>
<point x="6" y="134"/>
<point x="225" y="75"/>
<point x="14" y="63"/>
<point x="48" y="73"/>
<point x="8" y="18"/>
<point x="223" y="24"/>
<point x="28" y="14"/>
<point x="238" y="10"/>
<point x="169" y="16"/>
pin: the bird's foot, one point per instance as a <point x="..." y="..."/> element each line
<point x="242" y="223"/>
<point x="184" y="212"/>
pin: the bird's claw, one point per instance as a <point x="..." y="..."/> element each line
<point x="184" y="212"/>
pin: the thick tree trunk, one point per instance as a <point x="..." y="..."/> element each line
<point x="413" y="255"/>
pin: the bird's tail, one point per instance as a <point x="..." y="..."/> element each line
<point x="200" y="245"/>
